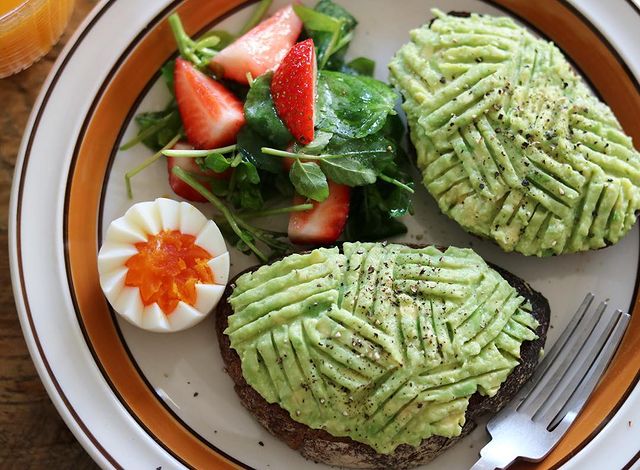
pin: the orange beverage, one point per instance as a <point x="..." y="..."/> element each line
<point x="28" y="30"/>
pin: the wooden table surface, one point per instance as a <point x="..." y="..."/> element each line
<point x="32" y="435"/>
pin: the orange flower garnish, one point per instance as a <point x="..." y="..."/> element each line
<point x="167" y="268"/>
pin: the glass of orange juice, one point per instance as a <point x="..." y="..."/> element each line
<point x="28" y="30"/>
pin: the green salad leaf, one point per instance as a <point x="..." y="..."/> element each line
<point x="360" y="66"/>
<point x="156" y="128"/>
<point x="250" y="143"/>
<point x="315" y="21"/>
<point x="244" y="187"/>
<point x="357" y="159"/>
<point x="331" y="28"/>
<point x="276" y="187"/>
<point x="166" y="72"/>
<point x="352" y="171"/>
<point x="309" y="180"/>
<point x="216" y="162"/>
<point x="261" y="114"/>
<point x="398" y="202"/>
<point x="320" y="142"/>
<point x="335" y="50"/>
<point x="374" y="211"/>
<point x="352" y="106"/>
<point x="330" y="8"/>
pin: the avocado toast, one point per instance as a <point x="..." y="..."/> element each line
<point x="510" y="141"/>
<point x="378" y="355"/>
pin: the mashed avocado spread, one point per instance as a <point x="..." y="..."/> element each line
<point x="511" y="143"/>
<point x="383" y="343"/>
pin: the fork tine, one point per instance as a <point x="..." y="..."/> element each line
<point x="549" y="357"/>
<point x="563" y="390"/>
<point x="571" y="409"/>
<point x="555" y="369"/>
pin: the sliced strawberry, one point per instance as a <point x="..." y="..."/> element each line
<point x="293" y="89"/>
<point x="323" y="224"/>
<point x="212" y="116"/>
<point x="261" y="49"/>
<point x="181" y="188"/>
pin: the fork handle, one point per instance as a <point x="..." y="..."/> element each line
<point x="484" y="463"/>
<point x="493" y="456"/>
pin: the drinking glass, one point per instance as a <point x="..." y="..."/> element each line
<point x="28" y="30"/>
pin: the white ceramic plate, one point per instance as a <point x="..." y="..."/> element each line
<point x="136" y="399"/>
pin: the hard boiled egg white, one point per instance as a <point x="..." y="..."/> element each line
<point x="150" y="218"/>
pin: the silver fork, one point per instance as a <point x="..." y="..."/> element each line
<point x="531" y="425"/>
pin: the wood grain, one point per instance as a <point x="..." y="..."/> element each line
<point x="32" y="434"/>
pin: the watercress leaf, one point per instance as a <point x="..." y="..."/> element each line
<point x="216" y="162"/>
<point x="232" y="238"/>
<point x="398" y="202"/>
<point x="157" y="128"/>
<point x="360" y="66"/>
<point x="314" y="20"/>
<point x="219" y="187"/>
<point x="369" y="218"/>
<point x="381" y="150"/>
<point x="246" y="181"/>
<point x="385" y="163"/>
<point x="328" y="7"/>
<point x="276" y="187"/>
<point x="352" y="106"/>
<point x="343" y="43"/>
<point x="164" y="135"/>
<point x="374" y="144"/>
<point x="338" y="53"/>
<point x="261" y="114"/>
<point x="394" y="128"/>
<point x="250" y="172"/>
<point x="251" y="198"/>
<point x="329" y="25"/>
<point x="336" y="61"/>
<point x="309" y="180"/>
<point x="319" y="143"/>
<point x="359" y="161"/>
<point x="352" y="171"/>
<point x="167" y="74"/>
<point x="249" y="144"/>
<point x="282" y="183"/>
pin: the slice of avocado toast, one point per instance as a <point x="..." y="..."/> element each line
<point x="510" y="141"/>
<point x="376" y="355"/>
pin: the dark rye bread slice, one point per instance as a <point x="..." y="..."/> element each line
<point x="320" y="446"/>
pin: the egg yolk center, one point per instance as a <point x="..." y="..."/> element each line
<point x="167" y="268"/>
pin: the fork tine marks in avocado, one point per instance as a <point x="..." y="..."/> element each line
<point x="510" y="141"/>
<point x="381" y="343"/>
